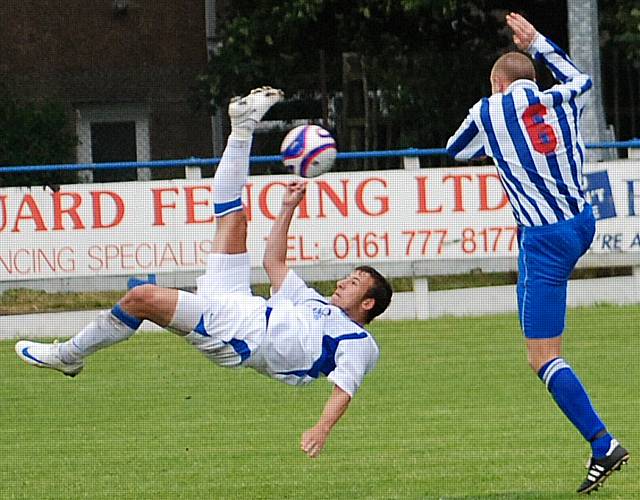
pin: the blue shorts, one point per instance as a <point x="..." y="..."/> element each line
<point x="547" y="257"/>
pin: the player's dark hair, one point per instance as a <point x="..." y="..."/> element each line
<point x="380" y="292"/>
<point x="515" y="66"/>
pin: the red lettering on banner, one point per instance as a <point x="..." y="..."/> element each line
<point x="111" y="253"/>
<point x="262" y="199"/>
<point x="341" y="204"/>
<point x="33" y="214"/>
<point x="303" y="208"/>
<point x="72" y="211"/>
<point x="7" y="264"/>
<point x="423" y="199"/>
<point x="42" y="256"/>
<point x="184" y="261"/>
<point x="15" y="261"/>
<point x="130" y="256"/>
<point x="97" y="209"/>
<point x="126" y="255"/>
<point x="484" y="193"/>
<point x="3" y="202"/>
<point x="384" y="200"/>
<point x="55" y="260"/>
<point x="168" y="255"/>
<point x="72" y="261"/>
<point x="37" y="260"/>
<point x="192" y="203"/>
<point x="139" y="261"/>
<point x="158" y="205"/>
<point x="93" y="253"/>
<point x="457" y="189"/>
<point x="302" y="254"/>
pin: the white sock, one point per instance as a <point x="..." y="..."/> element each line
<point x="244" y="132"/>
<point x="102" y="332"/>
<point x="231" y="175"/>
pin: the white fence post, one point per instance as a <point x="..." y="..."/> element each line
<point x="421" y="298"/>
<point x="192" y="173"/>
<point x="411" y="162"/>
<point x="144" y="174"/>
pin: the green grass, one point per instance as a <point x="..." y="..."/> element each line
<point x="451" y="411"/>
<point x="26" y="301"/>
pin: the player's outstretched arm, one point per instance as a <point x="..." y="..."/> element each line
<point x="528" y="39"/>
<point x="314" y="439"/>
<point x="275" y="252"/>
<point x="466" y="143"/>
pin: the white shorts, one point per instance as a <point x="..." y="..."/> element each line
<point x="226" y="273"/>
<point x="227" y="323"/>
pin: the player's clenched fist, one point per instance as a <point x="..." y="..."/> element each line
<point x="313" y="441"/>
<point x="295" y="193"/>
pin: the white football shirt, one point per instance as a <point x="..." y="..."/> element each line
<point x="307" y="337"/>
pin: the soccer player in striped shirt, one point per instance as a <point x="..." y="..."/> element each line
<point x="534" y="139"/>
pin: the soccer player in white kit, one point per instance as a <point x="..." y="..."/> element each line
<point x="295" y="337"/>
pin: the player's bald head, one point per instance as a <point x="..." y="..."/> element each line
<point x="513" y="66"/>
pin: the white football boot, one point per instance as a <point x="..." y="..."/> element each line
<point x="46" y="356"/>
<point x="245" y="112"/>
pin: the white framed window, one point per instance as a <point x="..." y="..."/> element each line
<point x="111" y="133"/>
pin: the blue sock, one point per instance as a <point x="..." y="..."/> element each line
<point x="600" y="447"/>
<point x="570" y="395"/>
<point x="131" y="321"/>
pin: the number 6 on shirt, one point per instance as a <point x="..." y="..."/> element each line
<point x="542" y="136"/>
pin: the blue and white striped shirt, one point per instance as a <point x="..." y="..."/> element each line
<point x="533" y="137"/>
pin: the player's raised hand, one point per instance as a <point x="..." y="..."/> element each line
<point x="313" y="441"/>
<point x="294" y="194"/>
<point x="523" y="31"/>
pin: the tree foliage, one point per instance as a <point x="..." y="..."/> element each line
<point x="414" y="52"/>
<point x="33" y="134"/>
<point x="426" y="61"/>
<point x="621" y="25"/>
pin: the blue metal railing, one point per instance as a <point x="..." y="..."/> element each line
<point x="201" y="162"/>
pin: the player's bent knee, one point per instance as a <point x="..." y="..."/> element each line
<point x="140" y="300"/>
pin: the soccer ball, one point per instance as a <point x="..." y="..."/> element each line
<point x="308" y="151"/>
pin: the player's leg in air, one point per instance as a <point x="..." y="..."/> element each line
<point x="176" y="310"/>
<point x="233" y="320"/>
<point x="233" y="170"/>
<point x="542" y="301"/>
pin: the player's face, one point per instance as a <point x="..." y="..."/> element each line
<point x="350" y="292"/>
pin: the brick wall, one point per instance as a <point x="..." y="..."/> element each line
<point x="81" y="52"/>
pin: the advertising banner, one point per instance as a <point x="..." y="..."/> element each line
<point x="353" y="217"/>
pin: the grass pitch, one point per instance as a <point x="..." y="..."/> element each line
<point x="451" y="411"/>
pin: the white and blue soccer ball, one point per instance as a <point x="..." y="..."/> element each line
<point x="308" y="151"/>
